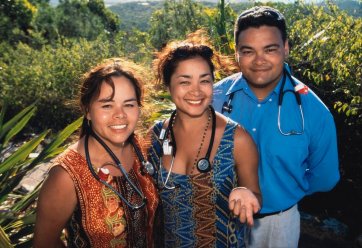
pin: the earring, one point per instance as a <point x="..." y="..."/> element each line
<point x="89" y="123"/>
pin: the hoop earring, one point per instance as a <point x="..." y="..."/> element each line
<point x="89" y="123"/>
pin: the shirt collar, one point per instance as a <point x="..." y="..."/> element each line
<point x="239" y="83"/>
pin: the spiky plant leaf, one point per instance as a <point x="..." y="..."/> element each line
<point x="2" y="114"/>
<point x="21" y="222"/>
<point x="53" y="148"/>
<point x="4" y="239"/>
<point x="27" y="200"/>
<point x="18" y="121"/>
<point x="18" y="126"/>
<point x="22" y="153"/>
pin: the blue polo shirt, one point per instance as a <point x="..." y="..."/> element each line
<point x="290" y="167"/>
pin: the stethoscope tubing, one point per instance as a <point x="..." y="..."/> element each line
<point x="119" y="166"/>
<point x="174" y="147"/>
<point x="227" y="107"/>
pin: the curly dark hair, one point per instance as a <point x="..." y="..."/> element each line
<point x="196" y="45"/>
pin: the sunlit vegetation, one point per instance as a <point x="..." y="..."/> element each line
<point x="45" y="49"/>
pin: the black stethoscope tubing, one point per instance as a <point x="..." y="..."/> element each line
<point x="119" y="166"/>
<point x="211" y="143"/>
<point x="227" y="107"/>
<point x="206" y="159"/>
<point x="203" y="165"/>
<point x="282" y="91"/>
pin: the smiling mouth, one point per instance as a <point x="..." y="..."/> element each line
<point x="118" y="127"/>
<point x="260" y="69"/>
<point x="194" y="101"/>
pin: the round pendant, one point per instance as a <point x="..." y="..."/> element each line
<point x="149" y="168"/>
<point x="203" y="165"/>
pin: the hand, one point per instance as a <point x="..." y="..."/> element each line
<point x="243" y="203"/>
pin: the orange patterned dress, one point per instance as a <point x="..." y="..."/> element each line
<point x="100" y="218"/>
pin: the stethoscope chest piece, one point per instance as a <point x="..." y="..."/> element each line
<point x="203" y="165"/>
<point x="149" y="168"/>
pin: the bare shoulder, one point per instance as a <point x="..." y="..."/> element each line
<point x="242" y="138"/>
<point x="221" y="120"/>
<point x="56" y="203"/>
<point x="58" y="184"/>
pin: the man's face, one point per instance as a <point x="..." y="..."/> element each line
<point x="260" y="54"/>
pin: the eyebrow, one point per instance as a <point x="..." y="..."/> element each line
<point x="268" y="46"/>
<point x="104" y="100"/>
<point x="188" y="76"/>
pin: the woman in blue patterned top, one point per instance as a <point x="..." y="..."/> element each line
<point x="205" y="164"/>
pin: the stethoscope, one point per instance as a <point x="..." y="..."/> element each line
<point x="227" y="106"/>
<point x="147" y="166"/>
<point x="203" y="164"/>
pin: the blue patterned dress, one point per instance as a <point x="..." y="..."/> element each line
<point x="196" y="213"/>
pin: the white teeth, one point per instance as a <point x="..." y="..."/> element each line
<point x="194" y="102"/>
<point x="118" y="126"/>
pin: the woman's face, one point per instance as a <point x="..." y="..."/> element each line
<point x="191" y="86"/>
<point x="114" y="119"/>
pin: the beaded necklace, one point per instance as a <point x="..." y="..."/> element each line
<point x="202" y="139"/>
<point x="202" y="143"/>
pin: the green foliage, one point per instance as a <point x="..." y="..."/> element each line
<point x="109" y="19"/>
<point x="221" y="24"/>
<point x="85" y="19"/>
<point x="15" y="19"/>
<point x="51" y="75"/>
<point x="39" y="23"/>
<point x="17" y="215"/>
<point x="328" y="53"/>
<point x="135" y="15"/>
<point x="175" y="20"/>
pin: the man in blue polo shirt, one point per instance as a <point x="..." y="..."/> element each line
<point x="293" y="129"/>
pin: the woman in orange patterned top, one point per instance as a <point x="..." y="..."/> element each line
<point x="97" y="190"/>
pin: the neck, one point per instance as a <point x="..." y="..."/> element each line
<point x="98" y="152"/>
<point x="188" y="122"/>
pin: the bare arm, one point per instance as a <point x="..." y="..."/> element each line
<point x="56" y="203"/>
<point x="245" y="200"/>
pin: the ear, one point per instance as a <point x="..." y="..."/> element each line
<point x="286" y="48"/>
<point x="237" y="57"/>
<point x="88" y="116"/>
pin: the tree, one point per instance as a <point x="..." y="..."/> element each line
<point x="15" y="20"/>
<point x="327" y="50"/>
<point x="221" y="25"/>
<point x="175" y="20"/>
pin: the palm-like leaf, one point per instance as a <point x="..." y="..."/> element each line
<point x="15" y="124"/>
<point x="17" y="215"/>
<point x="53" y="148"/>
<point x="4" y="239"/>
<point x="22" y="153"/>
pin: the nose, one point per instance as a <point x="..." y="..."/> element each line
<point x="259" y="58"/>
<point x="119" y="113"/>
<point x="195" y="90"/>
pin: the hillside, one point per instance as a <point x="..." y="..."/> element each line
<point x="136" y="14"/>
